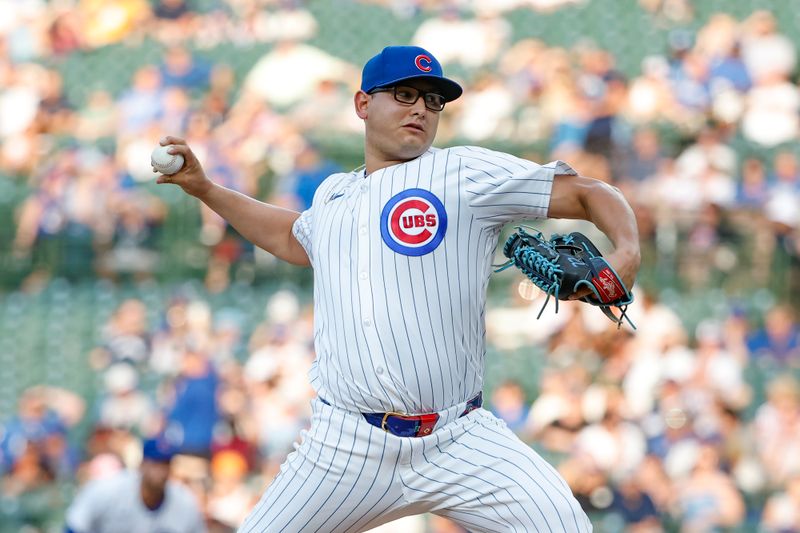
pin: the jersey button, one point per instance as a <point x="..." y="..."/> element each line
<point x="363" y="188"/>
<point x="362" y="230"/>
<point x="367" y="322"/>
<point x="379" y="370"/>
<point x="363" y="275"/>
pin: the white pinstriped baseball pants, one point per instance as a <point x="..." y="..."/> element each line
<point x="348" y="476"/>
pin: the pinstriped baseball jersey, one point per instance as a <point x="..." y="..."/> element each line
<point x="401" y="260"/>
<point x="401" y="263"/>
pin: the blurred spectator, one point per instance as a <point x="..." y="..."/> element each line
<point x="279" y="402"/>
<point x="126" y="336"/>
<point x="133" y="248"/>
<point x="752" y="189"/>
<point x="782" y="511"/>
<point x="328" y="110"/>
<point x="98" y="118"/>
<point x="708" y="157"/>
<point x="635" y="507"/>
<point x="20" y="97"/>
<point x="690" y="82"/>
<point x="783" y="197"/>
<point x="487" y="111"/>
<point x="125" y="407"/>
<point x="29" y="496"/>
<point x="171" y="337"/>
<point x="555" y="417"/>
<point x="65" y="34"/>
<point x="767" y="53"/>
<point x="230" y="499"/>
<point x="177" y="109"/>
<point x="143" y="102"/>
<point x="310" y="170"/>
<point x="708" y="498"/>
<point x="606" y="89"/>
<point x="300" y="67"/>
<point x="773" y="104"/>
<point x="192" y="413"/>
<point x="55" y="112"/>
<point x="771" y="110"/>
<point x="719" y="42"/>
<point x="508" y="403"/>
<point x="182" y="69"/>
<point x="777" y="424"/>
<point x="650" y="96"/>
<point x="227" y="336"/>
<point x="610" y="445"/>
<point x="785" y="176"/>
<point x="41" y="216"/>
<point x="643" y="158"/>
<point x="718" y="372"/>
<point x="43" y="416"/>
<point x="217" y="100"/>
<point x="130" y="497"/>
<point x="779" y="340"/>
<point x="457" y="39"/>
<point x="671" y="436"/>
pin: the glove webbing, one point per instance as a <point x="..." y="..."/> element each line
<point x="543" y="272"/>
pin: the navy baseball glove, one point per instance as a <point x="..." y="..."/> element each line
<point x="565" y="264"/>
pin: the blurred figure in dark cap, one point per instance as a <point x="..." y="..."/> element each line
<point x="137" y="500"/>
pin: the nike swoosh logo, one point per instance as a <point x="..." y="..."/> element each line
<point x="335" y="196"/>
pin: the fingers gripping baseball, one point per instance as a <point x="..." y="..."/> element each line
<point x="190" y="177"/>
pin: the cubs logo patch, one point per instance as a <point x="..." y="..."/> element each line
<point x="413" y="222"/>
<point x="423" y="62"/>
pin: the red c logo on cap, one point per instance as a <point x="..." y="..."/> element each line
<point x="418" y="61"/>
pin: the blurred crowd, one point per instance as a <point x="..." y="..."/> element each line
<point x="691" y="424"/>
<point x="666" y="428"/>
<point x="703" y="137"/>
<point x="670" y="427"/>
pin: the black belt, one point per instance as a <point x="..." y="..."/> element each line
<point x="402" y="425"/>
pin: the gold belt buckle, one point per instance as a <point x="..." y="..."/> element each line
<point x="387" y="415"/>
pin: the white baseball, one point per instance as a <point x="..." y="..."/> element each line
<point x="165" y="162"/>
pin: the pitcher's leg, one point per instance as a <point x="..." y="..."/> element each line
<point x="486" y="479"/>
<point x="340" y="476"/>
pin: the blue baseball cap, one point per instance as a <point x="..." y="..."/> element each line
<point x="158" y="450"/>
<point x="396" y="64"/>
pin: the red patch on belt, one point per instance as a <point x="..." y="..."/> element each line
<point x="608" y="286"/>
<point x="426" y="424"/>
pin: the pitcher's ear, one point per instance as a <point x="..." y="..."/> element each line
<point x="361" y="101"/>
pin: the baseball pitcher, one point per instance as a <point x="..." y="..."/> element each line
<point x="402" y="251"/>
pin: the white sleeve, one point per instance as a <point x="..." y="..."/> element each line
<point x="302" y="231"/>
<point x="82" y="513"/>
<point x="501" y="188"/>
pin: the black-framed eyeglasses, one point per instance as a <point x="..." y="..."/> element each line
<point x="410" y="95"/>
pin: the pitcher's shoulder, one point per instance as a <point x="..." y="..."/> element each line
<point x="333" y="183"/>
<point x="468" y="150"/>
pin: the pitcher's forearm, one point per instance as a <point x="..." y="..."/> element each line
<point x="265" y="225"/>
<point x="610" y="212"/>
